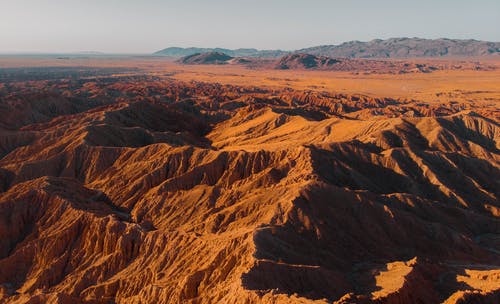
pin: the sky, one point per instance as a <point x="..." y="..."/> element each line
<point x="145" y="26"/>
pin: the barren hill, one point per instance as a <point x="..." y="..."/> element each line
<point x="305" y="61"/>
<point x="206" y="58"/>
<point x="143" y="189"/>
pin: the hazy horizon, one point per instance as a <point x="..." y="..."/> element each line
<point x="132" y="27"/>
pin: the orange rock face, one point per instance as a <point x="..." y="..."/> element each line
<point x="142" y="188"/>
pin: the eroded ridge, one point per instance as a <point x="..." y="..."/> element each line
<point x="143" y="189"/>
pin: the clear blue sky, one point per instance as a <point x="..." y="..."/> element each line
<point x="144" y="26"/>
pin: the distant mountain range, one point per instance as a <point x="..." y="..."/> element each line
<point x="390" y="48"/>
<point x="407" y="48"/>
<point x="182" y="52"/>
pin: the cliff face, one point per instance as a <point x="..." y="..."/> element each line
<point x="242" y="195"/>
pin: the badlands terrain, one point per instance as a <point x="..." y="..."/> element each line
<point x="148" y="180"/>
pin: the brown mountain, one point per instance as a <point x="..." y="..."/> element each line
<point x="142" y="189"/>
